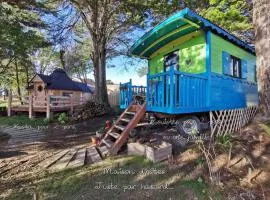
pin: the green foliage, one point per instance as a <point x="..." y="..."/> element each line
<point x="62" y="118"/>
<point x="224" y="140"/>
<point x="235" y="16"/>
<point x="22" y="120"/>
<point x="265" y="128"/>
<point x="232" y="15"/>
<point x="200" y="161"/>
<point x="20" y="33"/>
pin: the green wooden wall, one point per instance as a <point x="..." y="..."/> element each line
<point x="218" y="45"/>
<point x="191" y="54"/>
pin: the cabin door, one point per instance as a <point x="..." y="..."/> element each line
<point x="171" y="62"/>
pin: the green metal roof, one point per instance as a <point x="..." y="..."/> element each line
<point x="178" y="25"/>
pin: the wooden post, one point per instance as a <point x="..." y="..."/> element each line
<point x="171" y="87"/>
<point x="30" y="106"/>
<point x="48" y="110"/>
<point x="71" y="105"/>
<point x="9" y="102"/>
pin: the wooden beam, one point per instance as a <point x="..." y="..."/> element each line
<point x="9" y="102"/>
<point x="48" y="110"/>
<point x="30" y="106"/>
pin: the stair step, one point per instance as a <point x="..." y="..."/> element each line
<point x="130" y="113"/>
<point x="104" y="151"/>
<point x="120" y="127"/>
<point x="115" y="135"/>
<point x="125" y="120"/>
<point x="108" y="143"/>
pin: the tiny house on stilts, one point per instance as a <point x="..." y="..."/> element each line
<point x="197" y="72"/>
<point x="52" y="93"/>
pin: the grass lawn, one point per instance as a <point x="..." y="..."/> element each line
<point x="92" y="182"/>
<point x="22" y="120"/>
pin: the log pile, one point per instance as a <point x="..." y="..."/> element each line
<point x="90" y="110"/>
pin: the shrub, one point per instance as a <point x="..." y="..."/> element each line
<point x="62" y="118"/>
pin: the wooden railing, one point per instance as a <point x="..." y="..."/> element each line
<point x="174" y="91"/>
<point x="128" y="91"/>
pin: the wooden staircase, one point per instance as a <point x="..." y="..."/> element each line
<point x="119" y="132"/>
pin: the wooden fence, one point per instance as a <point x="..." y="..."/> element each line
<point x="114" y="98"/>
<point x="229" y="121"/>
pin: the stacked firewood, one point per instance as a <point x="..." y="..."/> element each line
<point x="89" y="110"/>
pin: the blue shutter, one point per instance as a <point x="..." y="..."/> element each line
<point x="226" y="63"/>
<point x="244" y="69"/>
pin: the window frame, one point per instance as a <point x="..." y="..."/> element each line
<point x="234" y="59"/>
<point x="168" y="54"/>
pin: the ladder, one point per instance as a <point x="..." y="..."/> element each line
<point x="118" y="134"/>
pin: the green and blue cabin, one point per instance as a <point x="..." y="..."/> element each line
<point x="195" y="66"/>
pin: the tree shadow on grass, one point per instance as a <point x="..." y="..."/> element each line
<point x="94" y="182"/>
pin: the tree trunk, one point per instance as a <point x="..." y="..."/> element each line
<point x="18" y="81"/>
<point x="99" y="63"/>
<point x="61" y="56"/>
<point x="27" y="75"/>
<point x="261" y="20"/>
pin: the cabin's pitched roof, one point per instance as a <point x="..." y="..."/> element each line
<point x="83" y="87"/>
<point x="180" y="24"/>
<point x="59" y="80"/>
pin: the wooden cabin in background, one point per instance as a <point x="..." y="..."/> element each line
<point x="57" y="84"/>
<point x="52" y="93"/>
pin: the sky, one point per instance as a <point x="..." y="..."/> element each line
<point x="123" y="74"/>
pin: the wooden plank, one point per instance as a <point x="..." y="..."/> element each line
<point x="120" y="127"/>
<point x="63" y="162"/>
<point x="108" y="142"/>
<point x="115" y="135"/>
<point x="50" y="161"/>
<point x="93" y="154"/>
<point x="79" y="159"/>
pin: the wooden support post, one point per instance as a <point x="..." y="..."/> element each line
<point x="30" y="106"/>
<point x="48" y="110"/>
<point x="71" y="105"/>
<point x="9" y="102"/>
<point x="171" y="87"/>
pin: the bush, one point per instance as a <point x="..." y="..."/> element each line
<point x="62" y="118"/>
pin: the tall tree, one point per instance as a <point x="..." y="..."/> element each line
<point x="261" y="20"/>
<point x="107" y="22"/>
<point x="20" y="23"/>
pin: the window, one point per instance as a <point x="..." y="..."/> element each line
<point x="172" y="59"/>
<point x="233" y="66"/>
<point x="40" y="88"/>
<point x="67" y="94"/>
